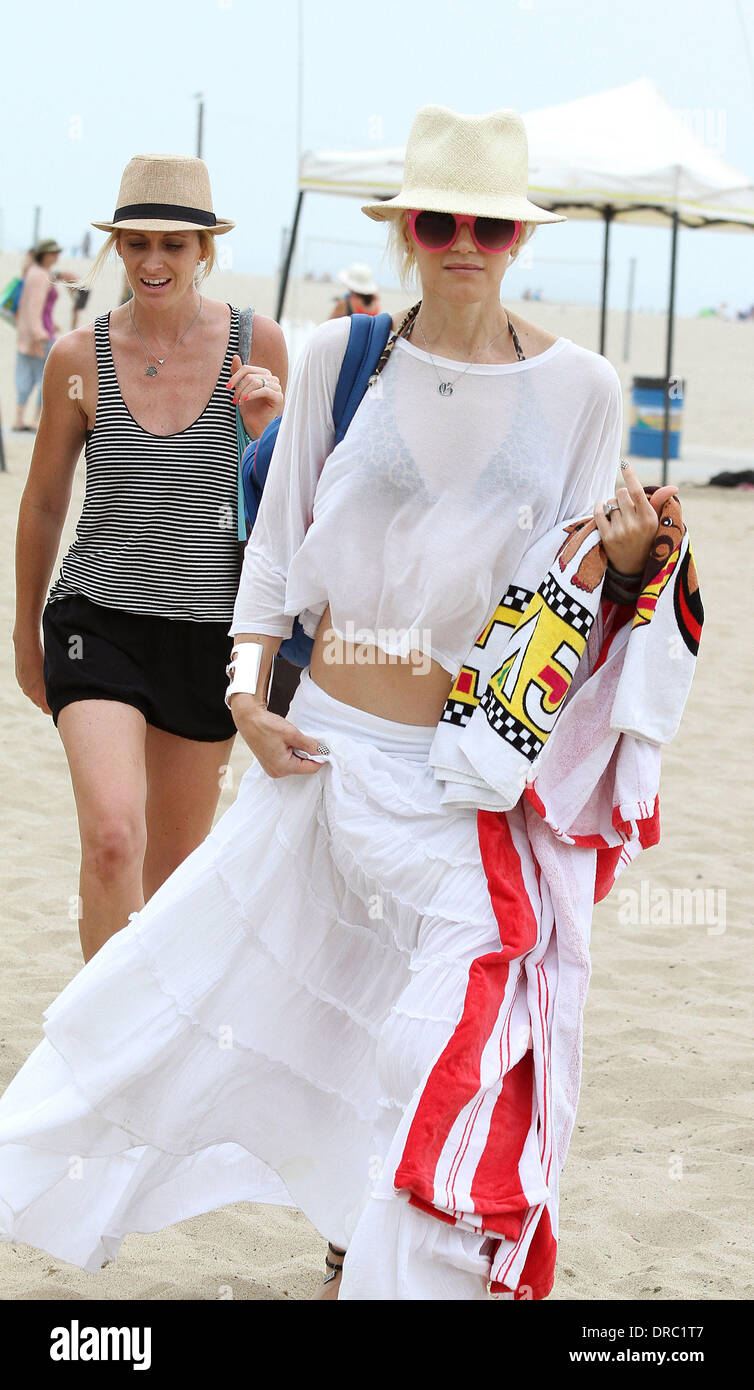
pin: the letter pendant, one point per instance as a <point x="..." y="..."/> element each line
<point x="445" y="388"/>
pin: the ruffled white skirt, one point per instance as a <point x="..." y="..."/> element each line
<point x="260" y="1029"/>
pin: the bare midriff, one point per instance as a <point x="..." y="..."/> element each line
<point x="410" y="690"/>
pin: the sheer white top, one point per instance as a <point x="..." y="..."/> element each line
<point x="412" y="528"/>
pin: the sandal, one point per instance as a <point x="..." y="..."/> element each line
<point x="335" y="1269"/>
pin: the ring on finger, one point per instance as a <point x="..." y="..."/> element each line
<point x="610" y="507"/>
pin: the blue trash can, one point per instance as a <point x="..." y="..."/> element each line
<point x="648" y="416"/>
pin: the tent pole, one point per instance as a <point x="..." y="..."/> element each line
<point x="608" y="213"/>
<point x="669" y="350"/>
<point x="629" y="310"/>
<point x="285" y="272"/>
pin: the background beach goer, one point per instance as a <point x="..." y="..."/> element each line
<point x="361" y="295"/>
<point x="35" y="327"/>
<point x="135" y="624"/>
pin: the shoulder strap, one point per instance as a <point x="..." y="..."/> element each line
<point x="366" y="339"/>
<point x="102" y="344"/>
<point x="245" y="330"/>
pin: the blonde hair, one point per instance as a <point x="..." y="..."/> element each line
<point x="402" y="248"/>
<point x="206" y="246"/>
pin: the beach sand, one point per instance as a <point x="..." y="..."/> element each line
<point x="654" y="1186"/>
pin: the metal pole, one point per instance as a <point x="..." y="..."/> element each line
<point x="37" y="216"/>
<point x="608" y="213"/>
<point x="300" y="89"/>
<point x="199" y="125"/>
<point x="288" y="257"/>
<point x="669" y="350"/>
<point x="629" y="309"/>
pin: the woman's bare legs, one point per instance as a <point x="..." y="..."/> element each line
<point x="145" y="799"/>
<point x="104" y="743"/>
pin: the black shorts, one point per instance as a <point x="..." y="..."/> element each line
<point x="170" y="669"/>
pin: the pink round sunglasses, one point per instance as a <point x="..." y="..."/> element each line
<point x="436" y="231"/>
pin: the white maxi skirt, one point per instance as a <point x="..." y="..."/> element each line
<point x="262" y="1029"/>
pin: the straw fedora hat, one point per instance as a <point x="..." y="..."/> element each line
<point x="165" y="193"/>
<point x="358" y="278"/>
<point x="466" y="164"/>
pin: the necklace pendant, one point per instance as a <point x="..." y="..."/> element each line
<point x="151" y="370"/>
<point x="445" y="388"/>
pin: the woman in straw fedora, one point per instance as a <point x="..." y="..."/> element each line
<point x="136" y="623"/>
<point x="290" y="990"/>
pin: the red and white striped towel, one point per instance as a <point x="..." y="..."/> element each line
<point x="483" y="1145"/>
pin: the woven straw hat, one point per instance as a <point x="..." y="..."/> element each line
<point x="165" y="193"/>
<point x="466" y="164"/>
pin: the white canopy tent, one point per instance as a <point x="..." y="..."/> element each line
<point x="623" y="155"/>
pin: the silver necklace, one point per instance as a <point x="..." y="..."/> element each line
<point x="445" y="388"/>
<point x="151" y="368"/>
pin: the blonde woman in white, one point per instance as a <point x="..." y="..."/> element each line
<point x="274" y="1011"/>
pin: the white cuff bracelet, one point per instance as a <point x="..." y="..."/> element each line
<point x="243" y="669"/>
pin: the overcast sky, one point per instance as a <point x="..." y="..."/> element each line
<point x="87" y="85"/>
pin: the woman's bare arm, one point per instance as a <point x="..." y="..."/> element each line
<point x="260" y="405"/>
<point x="69" y="373"/>
<point x="270" y="737"/>
<point x="268" y="347"/>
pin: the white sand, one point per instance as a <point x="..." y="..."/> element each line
<point x="654" y="1188"/>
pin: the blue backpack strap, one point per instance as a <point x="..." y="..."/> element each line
<point x="255" y="465"/>
<point x="243" y="440"/>
<point x="366" y="340"/>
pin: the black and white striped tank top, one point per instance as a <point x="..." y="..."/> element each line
<point x="158" y="529"/>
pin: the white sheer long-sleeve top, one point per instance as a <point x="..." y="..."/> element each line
<point x="413" y="526"/>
